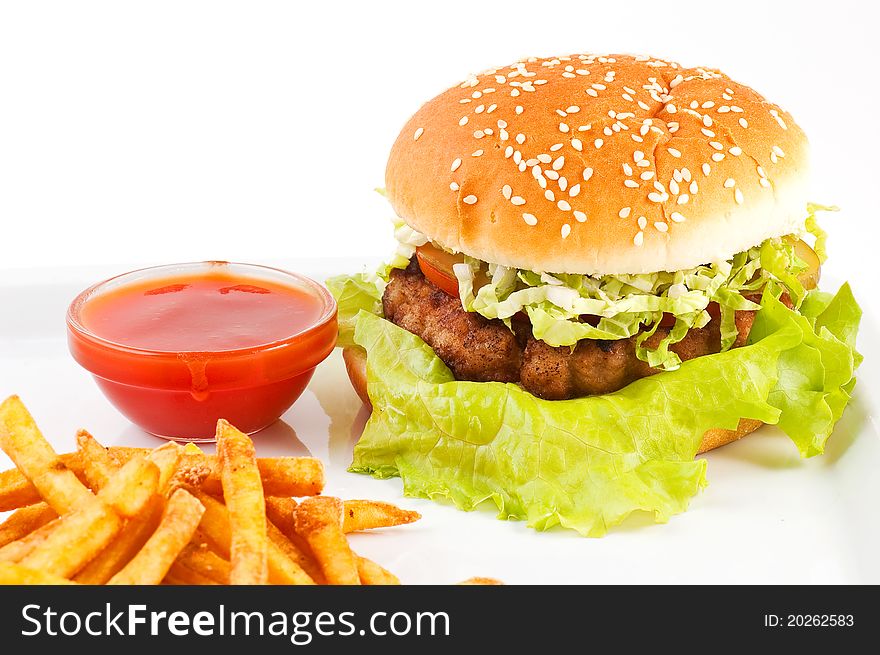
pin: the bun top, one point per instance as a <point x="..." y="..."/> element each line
<point x="599" y="164"/>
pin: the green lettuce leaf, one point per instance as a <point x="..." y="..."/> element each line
<point x="588" y="463"/>
<point x="354" y="293"/>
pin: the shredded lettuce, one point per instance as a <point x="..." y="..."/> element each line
<point x="588" y="463"/>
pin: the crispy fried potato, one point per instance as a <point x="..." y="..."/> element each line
<point x="138" y="529"/>
<point x="21" y="439"/>
<point x="16" y="551"/>
<point x="281" y="476"/>
<point x="481" y="581"/>
<point x="243" y="492"/>
<point x="182" y="576"/>
<point x="24" y="521"/>
<point x="83" y="533"/>
<point x="369" y="514"/>
<point x="11" y="573"/>
<point x="203" y="560"/>
<point x="318" y="520"/>
<point x="97" y="464"/>
<point x="215" y="526"/>
<point x="179" y="521"/>
<point x="371" y="573"/>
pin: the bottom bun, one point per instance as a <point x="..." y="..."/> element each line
<point x="356" y="364"/>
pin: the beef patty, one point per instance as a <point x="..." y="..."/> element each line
<point x="483" y="350"/>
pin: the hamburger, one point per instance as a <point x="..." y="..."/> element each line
<point x="610" y="260"/>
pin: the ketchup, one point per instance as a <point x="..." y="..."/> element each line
<point x="176" y="348"/>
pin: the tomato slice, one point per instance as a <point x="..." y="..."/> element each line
<point x="437" y="265"/>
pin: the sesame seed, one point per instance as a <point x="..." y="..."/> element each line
<point x="580" y="216"/>
<point x="662" y="227"/>
<point x="577" y="145"/>
<point x="673" y="186"/>
<point x="670" y="108"/>
<point x="598" y="143"/>
<point x="637" y="138"/>
<point x="520" y="138"/>
<point x="677" y="217"/>
<point x="518" y="200"/>
<point x="639" y="239"/>
<point x="588" y="173"/>
<point x="564" y="128"/>
<point x="738" y="196"/>
<point x="479" y="109"/>
<point x="736" y="151"/>
<point x="544" y="158"/>
<point x="706" y="169"/>
<point x="638" y="156"/>
<point x="555" y="147"/>
<point x="469" y="200"/>
<point x="683" y="199"/>
<point x="632" y="184"/>
<point x="718" y="156"/>
<point x="479" y="134"/>
<point x="563" y="183"/>
<point x="764" y="182"/>
<point x="563" y="205"/>
<point x="729" y="183"/>
<point x="693" y="188"/>
<point x="519" y="109"/>
<point x="506" y="191"/>
<point x="716" y="145"/>
<point x="553" y="175"/>
<point x="647" y="175"/>
<point x="559" y="163"/>
<point x="454" y="186"/>
<point x="627" y="169"/>
<point x="743" y="122"/>
<point x="643" y="222"/>
<point x="455" y="164"/>
<point x="477" y="153"/>
<point x="655" y="197"/>
<point x="625" y="212"/>
<point x="566" y="230"/>
<point x="463" y="121"/>
<point x="674" y="152"/>
<point x="418" y="133"/>
<point x="778" y="151"/>
<point x="508" y="151"/>
<point x="707" y="120"/>
<point x="575" y="190"/>
<point x="709" y="133"/>
<point x="549" y="195"/>
<point x="530" y="219"/>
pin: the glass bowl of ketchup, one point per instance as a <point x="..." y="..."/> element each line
<point x="177" y="347"/>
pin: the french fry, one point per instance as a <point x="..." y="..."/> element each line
<point x="371" y="573"/>
<point x="82" y="534"/>
<point x="243" y="492"/>
<point x="138" y="529"/>
<point x="318" y="520"/>
<point x="280" y="511"/>
<point x="282" y="531"/>
<point x="16" y="551"/>
<point x="281" y="476"/>
<point x="17" y="491"/>
<point x="368" y="514"/>
<point x="179" y="521"/>
<point x="98" y="465"/>
<point x="11" y="573"/>
<point x="21" y="439"/>
<point x="480" y="581"/>
<point x="181" y="575"/>
<point x="216" y="527"/>
<point x="206" y="562"/>
<point x="297" y="551"/>
<point x="24" y="521"/>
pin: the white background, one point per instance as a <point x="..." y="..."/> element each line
<point x="135" y="133"/>
<point x="145" y="133"/>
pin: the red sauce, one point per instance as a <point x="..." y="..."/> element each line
<point x="176" y="348"/>
<point x="213" y="312"/>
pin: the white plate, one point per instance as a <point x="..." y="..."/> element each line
<point x="766" y="517"/>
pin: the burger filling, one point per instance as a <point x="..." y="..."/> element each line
<point x="564" y="336"/>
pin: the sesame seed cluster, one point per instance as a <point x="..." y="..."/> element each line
<point x="573" y="140"/>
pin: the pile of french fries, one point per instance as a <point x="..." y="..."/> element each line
<point x="174" y="515"/>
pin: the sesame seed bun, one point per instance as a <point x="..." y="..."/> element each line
<point x="356" y="365"/>
<point x="599" y="165"/>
